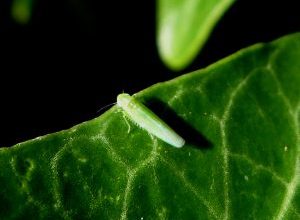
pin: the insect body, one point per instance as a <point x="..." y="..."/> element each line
<point x="147" y="120"/>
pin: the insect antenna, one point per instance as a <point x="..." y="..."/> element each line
<point x="106" y="106"/>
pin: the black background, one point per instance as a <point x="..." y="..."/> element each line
<point x="76" y="56"/>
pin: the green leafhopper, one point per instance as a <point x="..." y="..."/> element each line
<point x="149" y="121"/>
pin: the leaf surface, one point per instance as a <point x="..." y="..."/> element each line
<point x="183" y="27"/>
<point x="240" y="118"/>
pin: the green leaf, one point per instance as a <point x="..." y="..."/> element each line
<point x="245" y="107"/>
<point x="21" y="10"/>
<point x="183" y="27"/>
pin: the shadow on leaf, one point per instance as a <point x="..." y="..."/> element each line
<point x="192" y="137"/>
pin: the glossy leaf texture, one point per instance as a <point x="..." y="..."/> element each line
<point x="183" y="27"/>
<point x="241" y="121"/>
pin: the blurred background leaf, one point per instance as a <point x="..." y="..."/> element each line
<point x="21" y="10"/>
<point x="183" y="27"/>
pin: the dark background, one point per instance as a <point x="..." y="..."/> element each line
<point x="76" y="56"/>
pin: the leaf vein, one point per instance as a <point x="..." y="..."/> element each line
<point x="281" y="93"/>
<point x="224" y="145"/>
<point x="189" y="185"/>
<point x="294" y="183"/>
<point x="259" y="167"/>
<point x="112" y="153"/>
<point x="133" y="173"/>
<point x="56" y="183"/>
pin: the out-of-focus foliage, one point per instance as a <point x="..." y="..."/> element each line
<point x="21" y="10"/>
<point x="183" y="27"/>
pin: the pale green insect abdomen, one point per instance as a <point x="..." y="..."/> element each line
<point x="147" y="120"/>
